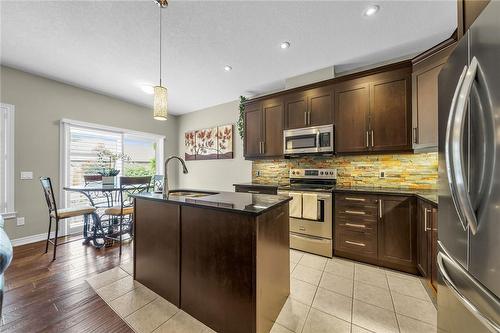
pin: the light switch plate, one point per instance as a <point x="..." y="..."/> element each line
<point x="20" y="221"/>
<point x="26" y="175"/>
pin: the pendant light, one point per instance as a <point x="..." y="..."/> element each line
<point x="160" y="111"/>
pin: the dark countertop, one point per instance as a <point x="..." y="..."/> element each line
<point x="430" y="196"/>
<point x="245" y="203"/>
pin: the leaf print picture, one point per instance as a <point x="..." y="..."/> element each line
<point x="209" y="143"/>
<point x="225" y="142"/>
<point x="206" y="144"/>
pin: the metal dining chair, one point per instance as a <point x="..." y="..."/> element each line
<point x="158" y="183"/>
<point x="60" y="214"/>
<point x="5" y="259"/>
<point x="125" y="211"/>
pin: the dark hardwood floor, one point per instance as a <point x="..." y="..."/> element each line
<point x="52" y="296"/>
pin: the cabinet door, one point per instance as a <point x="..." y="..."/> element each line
<point x="296" y="111"/>
<point x="272" y="111"/>
<point x="390" y="118"/>
<point x="397" y="233"/>
<point x="253" y="130"/>
<point x="433" y="247"/>
<point x="351" y="118"/>
<point x="423" y="238"/>
<point x="320" y="106"/>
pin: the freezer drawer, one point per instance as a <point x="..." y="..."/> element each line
<point x="316" y="245"/>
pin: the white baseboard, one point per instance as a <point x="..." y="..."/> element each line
<point x="33" y="238"/>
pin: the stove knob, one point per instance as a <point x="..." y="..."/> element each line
<point x="321" y="173"/>
<point x="331" y="172"/>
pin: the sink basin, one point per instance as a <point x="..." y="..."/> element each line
<point x="190" y="194"/>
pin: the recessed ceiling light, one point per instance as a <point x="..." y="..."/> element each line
<point x="148" y="89"/>
<point x="371" y="10"/>
<point x="285" y="45"/>
<point x="228" y="68"/>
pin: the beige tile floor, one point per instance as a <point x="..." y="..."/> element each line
<point x="326" y="295"/>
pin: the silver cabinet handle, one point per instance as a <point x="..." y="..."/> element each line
<point x="305" y="117"/>
<point x="354" y="199"/>
<point x="263" y="147"/>
<point x="367" y="139"/>
<point x="309" y="118"/>
<point x="355" y="243"/>
<point x="485" y="295"/>
<point x="355" y="212"/>
<point x="254" y="192"/>
<point x="355" y="225"/>
<point x="415" y="134"/>
<point x="426" y="211"/>
<point x="260" y="147"/>
<point x="454" y="157"/>
<point x="380" y="208"/>
<point x="372" y="140"/>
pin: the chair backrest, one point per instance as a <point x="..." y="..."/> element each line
<point x="5" y="258"/>
<point x="133" y="185"/>
<point x="49" y="194"/>
<point x="158" y="182"/>
<point x="92" y="179"/>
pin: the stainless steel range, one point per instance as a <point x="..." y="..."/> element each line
<point x="311" y="209"/>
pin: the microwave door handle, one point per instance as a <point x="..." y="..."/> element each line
<point x="448" y="139"/>
<point x="460" y="196"/>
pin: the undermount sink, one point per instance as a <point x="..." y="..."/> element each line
<point x="190" y="194"/>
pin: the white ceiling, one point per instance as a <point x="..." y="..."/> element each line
<point x="112" y="46"/>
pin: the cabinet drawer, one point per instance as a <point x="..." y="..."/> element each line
<point x="356" y="242"/>
<point x="356" y="200"/>
<point x="256" y="189"/>
<point x="356" y="225"/>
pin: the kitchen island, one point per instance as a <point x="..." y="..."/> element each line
<point x="221" y="257"/>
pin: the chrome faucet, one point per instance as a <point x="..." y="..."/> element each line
<point x="165" y="177"/>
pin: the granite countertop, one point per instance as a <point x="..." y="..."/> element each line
<point x="245" y="203"/>
<point x="429" y="195"/>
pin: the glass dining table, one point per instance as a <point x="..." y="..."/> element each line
<point x="101" y="196"/>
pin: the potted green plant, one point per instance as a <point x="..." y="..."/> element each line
<point x="106" y="160"/>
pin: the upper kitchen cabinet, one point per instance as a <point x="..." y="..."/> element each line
<point x="426" y="68"/>
<point x="373" y="113"/>
<point x="313" y="107"/>
<point x="253" y="129"/>
<point x="467" y="12"/>
<point x="352" y="108"/>
<point x="264" y="129"/>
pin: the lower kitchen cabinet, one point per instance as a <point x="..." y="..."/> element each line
<point x="397" y="241"/>
<point x="377" y="229"/>
<point x="427" y="242"/>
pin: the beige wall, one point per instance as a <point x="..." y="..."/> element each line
<point x="214" y="174"/>
<point x="39" y="105"/>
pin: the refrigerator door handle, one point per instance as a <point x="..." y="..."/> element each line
<point x="448" y="141"/>
<point x="465" y="284"/>
<point x="460" y="196"/>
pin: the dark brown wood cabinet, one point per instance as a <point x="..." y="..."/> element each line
<point x="427" y="242"/>
<point x="312" y="107"/>
<point x="352" y="109"/>
<point x="264" y="129"/>
<point x="426" y="68"/>
<point x="467" y="12"/>
<point x="373" y="114"/>
<point x="377" y="229"/>
<point x="390" y="114"/>
<point x="397" y="243"/>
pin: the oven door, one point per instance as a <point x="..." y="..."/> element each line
<point x="322" y="226"/>
<point x="308" y="140"/>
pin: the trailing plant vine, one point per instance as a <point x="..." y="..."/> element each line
<point x="241" y="119"/>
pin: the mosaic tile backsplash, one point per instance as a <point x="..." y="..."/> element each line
<point x="418" y="171"/>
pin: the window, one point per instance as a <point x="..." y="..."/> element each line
<point x="7" y="160"/>
<point x="80" y="145"/>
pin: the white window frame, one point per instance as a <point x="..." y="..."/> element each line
<point x="64" y="148"/>
<point x="8" y="141"/>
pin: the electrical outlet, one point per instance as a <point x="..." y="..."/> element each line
<point x="257" y="173"/>
<point x="26" y="175"/>
<point x="382" y="174"/>
<point x="20" y="221"/>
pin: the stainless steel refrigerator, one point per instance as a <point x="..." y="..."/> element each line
<point x="469" y="181"/>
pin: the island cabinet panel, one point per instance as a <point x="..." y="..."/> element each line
<point x="397" y="243"/>
<point x="352" y="108"/>
<point x="157" y="241"/>
<point x="273" y="266"/>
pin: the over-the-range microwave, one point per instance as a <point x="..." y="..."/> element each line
<point x="309" y="140"/>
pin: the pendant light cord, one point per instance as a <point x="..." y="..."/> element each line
<point x="160" y="45"/>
